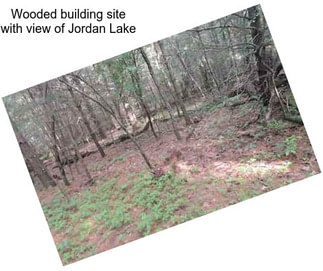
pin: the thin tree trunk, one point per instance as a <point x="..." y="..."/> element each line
<point x="149" y="118"/>
<point x="258" y="39"/>
<point x="74" y="143"/>
<point x="206" y="60"/>
<point x="56" y="153"/>
<point x="80" y="158"/>
<point x="109" y="110"/>
<point x="32" y="160"/>
<point x="95" y="119"/>
<point x="152" y="74"/>
<point x="68" y="152"/>
<point x="172" y="81"/>
<point x="86" y="122"/>
<point x="146" y="110"/>
<point x="190" y="75"/>
<point x="138" y="93"/>
<point x="236" y="70"/>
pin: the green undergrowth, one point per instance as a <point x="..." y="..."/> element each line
<point x="287" y="147"/>
<point x="70" y="250"/>
<point x="159" y="200"/>
<point x="111" y="206"/>
<point x="144" y="204"/>
<point x="209" y="108"/>
<point x="276" y="126"/>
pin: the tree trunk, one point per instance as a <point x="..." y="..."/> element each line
<point x="190" y="75"/>
<point x="169" y="110"/>
<point x="109" y="110"/>
<point x="258" y="39"/>
<point x="86" y="122"/>
<point x="138" y="93"/>
<point x="95" y="120"/>
<point x="32" y="161"/>
<point x="34" y="164"/>
<point x="79" y="156"/>
<point x="206" y="60"/>
<point x="56" y="153"/>
<point x="172" y="81"/>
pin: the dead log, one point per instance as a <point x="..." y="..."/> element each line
<point x="124" y="137"/>
<point x="119" y="139"/>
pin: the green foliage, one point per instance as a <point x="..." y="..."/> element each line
<point x="121" y="237"/>
<point x="195" y="169"/>
<point x="222" y="190"/>
<point x="237" y="145"/>
<point x="289" y="181"/>
<point x="109" y="207"/>
<point x="252" y="146"/>
<point x="125" y="186"/>
<point x="71" y="251"/>
<point x="288" y="147"/>
<point x="160" y="198"/>
<point x="119" y="216"/>
<point x="247" y="194"/>
<point x="192" y="212"/>
<point x="107" y="187"/>
<point x="276" y="125"/>
<point x="309" y="174"/>
<point x="119" y="158"/>
<point x="85" y="228"/>
<point x="58" y="213"/>
<point x="238" y="181"/>
<point x="144" y="223"/>
<point x="57" y="222"/>
<point x="87" y="207"/>
<point x="242" y="169"/>
<point x="228" y="133"/>
<point x="260" y="134"/>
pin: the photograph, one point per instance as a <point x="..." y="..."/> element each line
<point x="161" y="134"/>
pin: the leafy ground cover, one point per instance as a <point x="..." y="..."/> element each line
<point x="224" y="161"/>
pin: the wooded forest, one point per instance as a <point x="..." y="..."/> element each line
<point x="161" y="134"/>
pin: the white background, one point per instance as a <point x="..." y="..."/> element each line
<point x="280" y="230"/>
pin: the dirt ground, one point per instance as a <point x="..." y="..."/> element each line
<point x="222" y="158"/>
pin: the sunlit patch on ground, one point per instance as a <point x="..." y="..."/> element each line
<point x="264" y="167"/>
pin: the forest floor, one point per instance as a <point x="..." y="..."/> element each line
<point x="221" y="160"/>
